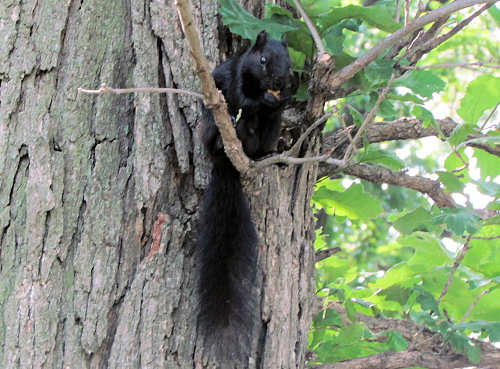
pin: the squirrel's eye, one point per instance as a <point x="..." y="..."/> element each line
<point x="263" y="60"/>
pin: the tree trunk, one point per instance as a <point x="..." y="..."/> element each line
<point x="99" y="195"/>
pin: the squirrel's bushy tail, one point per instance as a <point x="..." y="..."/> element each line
<point x="227" y="250"/>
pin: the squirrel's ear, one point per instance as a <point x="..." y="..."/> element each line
<point x="261" y="41"/>
<point x="284" y="40"/>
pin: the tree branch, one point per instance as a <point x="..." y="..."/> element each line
<point x="323" y="254"/>
<point x="416" y="53"/>
<point x="403" y="129"/>
<point x="334" y="146"/>
<point x="423" y="185"/>
<point x="335" y="80"/>
<point x="214" y="99"/>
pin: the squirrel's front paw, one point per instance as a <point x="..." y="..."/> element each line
<point x="271" y="98"/>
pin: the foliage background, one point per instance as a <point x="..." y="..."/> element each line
<point x="401" y="255"/>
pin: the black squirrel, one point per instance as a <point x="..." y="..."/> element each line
<point x="256" y="86"/>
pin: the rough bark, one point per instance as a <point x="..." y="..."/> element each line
<point x="99" y="195"/>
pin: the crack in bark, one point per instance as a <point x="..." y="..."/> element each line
<point x="174" y="114"/>
<point x="44" y="241"/>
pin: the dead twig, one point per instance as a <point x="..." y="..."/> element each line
<point x="369" y="119"/>
<point x="471" y="65"/>
<point x="457" y="262"/>
<point x="105" y="89"/>
<point x="473" y="305"/>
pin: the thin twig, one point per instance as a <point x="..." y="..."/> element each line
<point x="461" y="158"/>
<point x="420" y="8"/>
<point x="434" y="42"/>
<point x="457" y="262"/>
<point x="407" y="11"/>
<point x="288" y="157"/>
<point x="453" y="65"/>
<point x="486" y="238"/>
<point x="105" y="89"/>
<point x="285" y="159"/>
<point x="463" y="23"/>
<point x="489" y="116"/>
<point x="315" y="35"/>
<point x="473" y="305"/>
<point x="294" y="150"/>
<point x="369" y="118"/>
<point x="347" y="130"/>
<point x="335" y="80"/>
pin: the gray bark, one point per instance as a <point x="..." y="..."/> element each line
<point x="99" y="195"/>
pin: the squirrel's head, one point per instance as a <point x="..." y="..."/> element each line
<point x="269" y="62"/>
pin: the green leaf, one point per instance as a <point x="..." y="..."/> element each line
<point x="459" y="220"/>
<point x="334" y="268"/>
<point x="246" y="25"/>
<point x="314" y="8"/>
<point x="272" y="9"/>
<point x="331" y="184"/>
<point x="428" y="254"/>
<point x="495" y="14"/>
<point x="299" y="38"/>
<point x="491" y="328"/>
<point x="422" y="82"/>
<point x="319" y="240"/>
<point x="424" y="115"/>
<point x="333" y="37"/>
<point x="426" y="300"/>
<point x="406" y="98"/>
<point x="302" y="93"/>
<point x="419" y="219"/>
<point x="495" y="205"/>
<point x="484" y="255"/>
<point x="473" y="352"/>
<point x="460" y="134"/>
<point x="453" y="162"/>
<point x="327" y="319"/>
<point x="383" y="157"/>
<point x="298" y="59"/>
<point x="428" y="250"/>
<point x="488" y="187"/>
<point x="492" y="220"/>
<point x="353" y="203"/>
<point x="375" y="16"/>
<point x="483" y="93"/>
<point x="379" y="71"/>
<point x="451" y="182"/>
<point x="396" y="341"/>
<point x="488" y="163"/>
